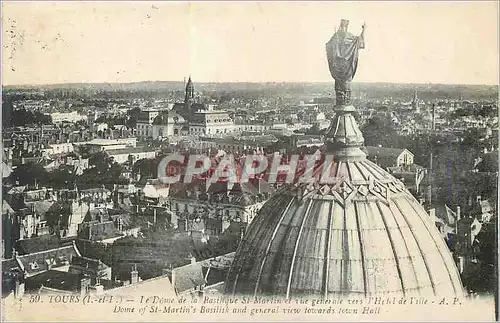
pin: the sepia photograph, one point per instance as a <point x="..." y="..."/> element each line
<point x="245" y="160"/>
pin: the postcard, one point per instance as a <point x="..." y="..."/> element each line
<point x="243" y="161"/>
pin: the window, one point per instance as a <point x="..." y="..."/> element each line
<point x="33" y="265"/>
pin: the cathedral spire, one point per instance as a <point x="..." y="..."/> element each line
<point x="189" y="91"/>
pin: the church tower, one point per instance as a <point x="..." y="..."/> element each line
<point x="189" y="98"/>
<point x="415" y="104"/>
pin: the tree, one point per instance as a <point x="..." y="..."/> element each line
<point x="63" y="177"/>
<point x="380" y="131"/>
<point x="7" y="110"/>
<point x="481" y="278"/>
<point x="22" y="117"/>
<point x="146" y="168"/>
<point x="314" y="130"/>
<point x="104" y="171"/>
<point x="132" y="116"/>
<point x="29" y="174"/>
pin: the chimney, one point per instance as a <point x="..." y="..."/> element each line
<point x="134" y="275"/>
<point x="84" y="285"/>
<point x="478" y="199"/>
<point x="120" y="224"/>
<point x="199" y="291"/>
<point x="432" y="215"/>
<point x="97" y="288"/>
<point x="19" y="289"/>
<point x="154" y="215"/>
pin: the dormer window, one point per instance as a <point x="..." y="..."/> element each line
<point x="33" y="265"/>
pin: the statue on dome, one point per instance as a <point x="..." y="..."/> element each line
<point x="342" y="54"/>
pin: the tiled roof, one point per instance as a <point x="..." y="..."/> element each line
<point x="97" y="214"/>
<point x="95" y="190"/>
<point x="160" y="285"/>
<point x="188" y="277"/>
<point x="39" y="262"/>
<point x="17" y="190"/>
<point x="6" y="208"/>
<point x="38" y="244"/>
<point x="9" y="264"/>
<point x="35" y="195"/>
<point x="54" y="279"/>
<point x="42" y="207"/>
<point x="128" y="151"/>
<point x="90" y="263"/>
<point x="224" y="192"/>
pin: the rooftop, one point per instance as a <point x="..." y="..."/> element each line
<point x="385" y="152"/>
<point x="128" y="151"/>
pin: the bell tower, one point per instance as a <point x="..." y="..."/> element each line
<point x="189" y="98"/>
<point x="415" y="102"/>
<point x="189" y="91"/>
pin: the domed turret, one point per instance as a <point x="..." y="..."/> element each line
<point x="359" y="233"/>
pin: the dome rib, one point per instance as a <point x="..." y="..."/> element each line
<point x="389" y="235"/>
<point x="407" y="249"/>
<point x="296" y="249"/>
<point x="361" y="249"/>
<point x="419" y="248"/>
<point x="268" y="248"/>
<point x="328" y="249"/>
<point x="281" y="262"/>
<point x="443" y="257"/>
<point x="345" y="254"/>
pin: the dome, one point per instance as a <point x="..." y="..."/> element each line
<point x="174" y="118"/>
<point x="359" y="233"/>
<point x="168" y="118"/>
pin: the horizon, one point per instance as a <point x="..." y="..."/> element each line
<point x="245" y="42"/>
<point x="240" y="82"/>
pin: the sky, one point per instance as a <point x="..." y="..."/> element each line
<point x="118" y="42"/>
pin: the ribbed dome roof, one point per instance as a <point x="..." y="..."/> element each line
<point x="360" y="234"/>
<point x="364" y="235"/>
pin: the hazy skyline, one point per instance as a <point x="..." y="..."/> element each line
<point x="119" y="42"/>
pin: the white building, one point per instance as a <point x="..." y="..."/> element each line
<point x="212" y="208"/>
<point x="211" y="122"/>
<point x="57" y="149"/>
<point x="97" y="145"/>
<point x="131" y="154"/>
<point x="167" y="124"/>
<point x="74" y="116"/>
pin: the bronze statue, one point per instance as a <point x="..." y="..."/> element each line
<point x="342" y="53"/>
